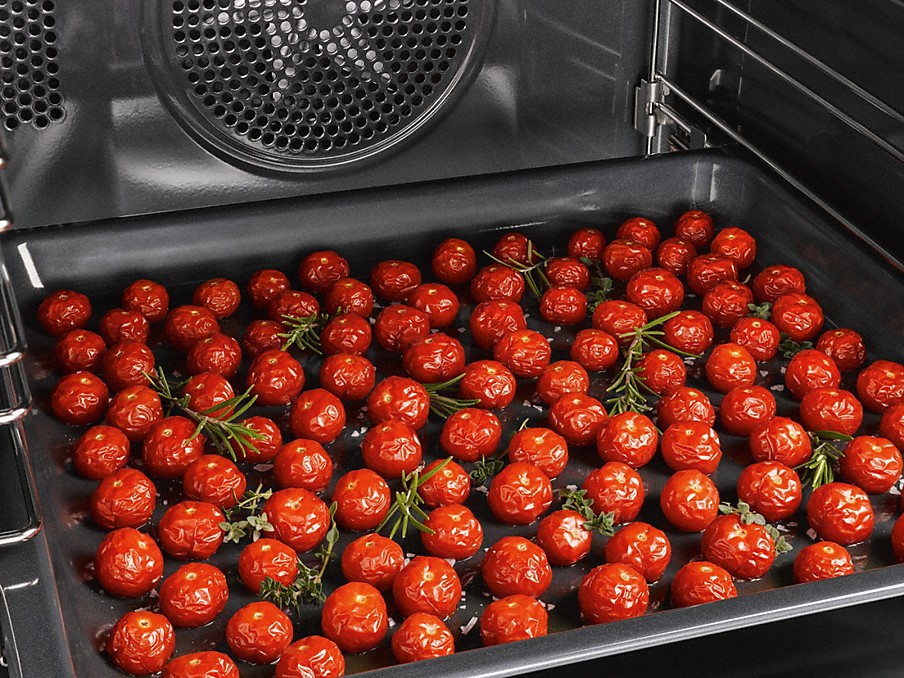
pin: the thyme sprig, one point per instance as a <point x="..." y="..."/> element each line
<point x="820" y="468"/>
<point x="790" y="348"/>
<point x="750" y="517"/>
<point x="576" y="500"/>
<point x="600" y="284"/>
<point x="534" y="275"/>
<point x="219" y="423"/>
<point x="486" y="467"/>
<point x="762" y="311"/>
<point x="303" y="332"/>
<point x="237" y="527"/>
<point x="406" y="510"/>
<point x="444" y="405"/>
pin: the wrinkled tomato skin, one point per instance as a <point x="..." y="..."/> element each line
<point x="736" y="244"/>
<point x="79" y="350"/>
<point x="399" y="398"/>
<point x="492" y="320"/>
<point x="292" y="303"/>
<point x="674" y="254"/>
<point x="773" y="282"/>
<point x="827" y="409"/>
<point x="617" y="488"/>
<point x="259" y="633"/>
<point x="427" y="584"/>
<point x="349" y="333"/>
<point x="844" y="346"/>
<point x="303" y="463"/>
<point x="490" y="383"/>
<point x="393" y="280"/>
<point x="220" y="295"/>
<point x="399" y="326"/>
<point x="171" y="446"/>
<point x="841" y="513"/>
<point x="701" y="582"/>
<point x="872" y="464"/>
<point x="216" y="353"/>
<point x="267" y="558"/>
<point x="743" y="408"/>
<point x="100" y="451"/>
<point x="897" y="539"/>
<point x="822" y="560"/>
<point x="215" y="479"/>
<point x="513" y="618"/>
<point x="435" y="359"/>
<point x="260" y="336"/>
<point x="519" y="494"/>
<point x="657" y="291"/>
<point x="515" y="565"/>
<point x="300" y="519"/>
<point x="745" y="550"/>
<point x="623" y="258"/>
<point x="64" y="311"/>
<point x="319" y="271"/>
<point x="184" y="325"/>
<point x="618" y="318"/>
<point x="141" y="643"/>
<point x="391" y="448"/>
<point x="706" y="271"/>
<point x="629" y="437"/>
<point x="542" y="447"/>
<point x="563" y="305"/>
<point x="456" y="532"/>
<point x="193" y="595"/>
<point x="691" y="445"/>
<point x="771" y="488"/>
<point x="684" y="404"/>
<point x="454" y="261"/>
<point x="564" y="538"/>
<point x="190" y="530"/>
<point x="695" y="226"/>
<point x="643" y="547"/>
<point x="780" y="439"/>
<point x="497" y="283"/>
<point x="588" y="243"/>
<point x="891" y="425"/>
<point x="726" y="303"/>
<point x="798" y="315"/>
<point x="595" y="350"/>
<point x="354" y="617"/>
<point x="147" y="297"/>
<point x="437" y="301"/>
<point x="312" y="656"/>
<point x="662" y="371"/>
<point x="347" y="376"/>
<point x="640" y="230"/>
<point x="362" y="498"/>
<point x="128" y="564"/>
<point x="471" y="433"/>
<point x="421" y="636"/>
<point x="349" y="295"/>
<point x="525" y="352"/>
<point x="121" y="325"/>
<point x="450" y="485"/>
<point x="317" y="414"/>
<point x="612" y="592"/>
<point x="373" y="559"/>
<point x="689" y="500"/>
<point x="760" y="337"/>
<point x="811" y="369"/>
<point x="266" y="447"/>
<point x="210" y="664"/>
<point x="125" y="498"/>
<point x="80" y="399"/>
<point x="730" y="366"/>
<point x="207" y="390"/>
<point x="689" y="331"/>
<point x="515" y="248"/>
<point x="577" y="418"/>
<point x="567" y="272"/>
<point x="561" y="378"/>
<point x="881" y="385"/>
<point x="265" y="285"/>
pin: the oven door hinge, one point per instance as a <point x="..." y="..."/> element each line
<point x="646" y="97"/>
<point x="654" y="118"/>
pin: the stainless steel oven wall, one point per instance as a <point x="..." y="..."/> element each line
<point x="106" y="118"/>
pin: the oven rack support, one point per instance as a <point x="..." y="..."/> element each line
<point x="659" y="96"/>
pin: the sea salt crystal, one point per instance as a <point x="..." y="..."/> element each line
<point x="571" y="488"/>
<point x="557" y="328"/>
<point x="764" y="373"/>
<point x="392" y="622"/>
<point x="461" y="330"/>
<point x="481" y="488"/>
<point x="538" y="407"/>
<point x="451" y="561"/>
<point x="354" y="434"/>
<point x="811" y="533"/>
<point x="527" y="403"/>
<point x="466" y="629"/>
<point x="777" y="387"/>
<point x="263" y="467"/>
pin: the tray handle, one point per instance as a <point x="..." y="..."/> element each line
<point x="33" y="515"/>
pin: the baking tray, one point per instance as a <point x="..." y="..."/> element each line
<point x="182" y="249"/>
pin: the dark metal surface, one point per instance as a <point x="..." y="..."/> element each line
<point x="101" y="258"/>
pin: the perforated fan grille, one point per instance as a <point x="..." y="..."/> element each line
<point x="316" y="79"/>
<point x="29" y="83"/>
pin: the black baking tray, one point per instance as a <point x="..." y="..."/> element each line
<point x="857" y="285"/>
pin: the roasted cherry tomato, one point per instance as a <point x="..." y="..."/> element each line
<point x="373" y="559"/>
<point x="209" y="664"/>
<point x="822" y="560"/>
<point x="760" y="337"/>
<point x="260" y="336"/>
<point x="515" y="565"/>
<point x="317" y="414"/>
<point x="259" y="633"/>
<point x="516" y="617"/>
<point x="349" y="333"/>
<point x="730" y="366"/>
<point x="726" y="303"/>
<point x="184" y="325"/>
<point x="497" y="283"/>
<point x="449" y="485"/>
<point x="399" y="398"/>
<point x="629" y="437"/>
<point x="881" y="385"/>
<point x="619" y="318"/>
<point x="656" y="290"/>
<point x="292" y="303"/>
<point x="265" y="285"/>
<point x="456" y="532"/>
<point x="515" y="248"/>
<point x="588" y="243"/>
<point x="128" y="564"/>
<point x="216" y="353"/>
<point x="691" y="445"/>
<point x="391" y="448"/>
<point x="491" y="320"/>
<point x="684" y="404"/>
<point x="772" y="489"/>
<point x="318" y="271"/>
<point x="776" y="281"/>
<point x="561" y="378"/>
<point x="617" y="488"/>
<point x="689" y="500"/>
<point x="399" y="326"/>
<point x="797" y="315"/>
<point x="891" y="425"/>
<point x="454" y="261"/>
<point x="611" y="592"/>
<point x="79" y="399"/>
<point x="79" y="350"/>
<point x="639" y="229"/>
<point x="595" y="350"/>
<point x="489" y="382"/>
<point x="354" y="617"/>
<point x="190" y="530"/>
<point x="745" y="550"/>
<point x="63" y="311"/>
<point x="662" y="371"/>
<point x="265" y="446"/>
<point x="435" y="359"/>
<point x="567" y="272"/>
<point x="437" y="301"/>
<point x="525" y="352"/>
<point x="147" y="297"/>
<point x="689" y="331"/>
<point x="421" y="636"/>
<point x="125" y="498"/>
<point x="220" y="295"/>
<point x="743" y="407"/>
<point x="215" y="479"/>
<point x="299" y="518"/>
<point x="624" y="258"/>
<point x="542" y="447"/>
<point x="897" y="539"/>
<point x="362" y="500"/>
<point x="844" y="346"/>
<point x="564" y="537"/>
<point x="394" y="280"/>
<point x="519" y="494"/>
<point x="780" y="439"/>
<point x="193" y="595"/>
<point x="643" y="547"/>
<point x="827" y="409"/>
<point x="695" y="226"/>
<point x="267" y="558"/>
<point x="100" y="451"/>
<point x="209" y="393"/>
<point x="349" y="295"/>
<point x="119" y="324"/>
<point x="701" y="582"/>
<point x="563" y="305"/>
<point x="811" y="369"/>
<point x="470" y="434"/>
<point x="312" y="656"/>
<point x="841" y="513"/>
<point x="141" y="643"/>
<point x="347" y="376"/>
<point x="303" y="463"/>
<point x="872" y="464"/>
<point x="736" y="244"/>
<point x="577" y="417"/>
<point x="674" y="254"/>
<point x="172" y="444"/>
<point x="706" y="271"/>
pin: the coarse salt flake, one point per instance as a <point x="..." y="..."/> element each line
<point x="466" y="629"/>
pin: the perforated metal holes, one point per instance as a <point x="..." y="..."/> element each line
<point x="317" y="79"/>
<point x="29" y="83"/>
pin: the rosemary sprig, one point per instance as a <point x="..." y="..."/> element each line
<point x="308" y="584"/>
<point x="443" y="405"/>
<point x="600" y="285"/>
<point x="534" y="276"/>
<point x="748" y="517"/>
<point x="406" y="509"/>
<point x="762" y="311"/>
<point x="576" y="500"/>
<point x="628" y="388"/>
<point x="790" y="348"/>
<point x="303" y="332"/>
<point x="237" y="527"/>
<point x="820" y="468"/>
<point x="219" y="423"/>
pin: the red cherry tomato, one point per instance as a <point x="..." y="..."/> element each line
<point x="456" y="532"/>
<point x="746" y="551"/>
<point x="897" y="539"/>
<point x="701" y="582"/>
<point x="317" y="414"/>
<point x="525" y="352"/>
<point x="266" y="446"/>
<point x="872" y="464"/>
<point x="577" y="418"/>
<point x="691" y="445"/>
<point x="450" y="485"/>
<point x="825" y="409"/>
<point x="519" y="494"/>
<point x="689" y="331"/>
<point x="399" y="326"/>
<point x="639" y="229"/>
<point x="373" y="559"/>
<point x="216" y="353"/>
<point x="267" y="558"/>
<point x="695" y="226"/>
<point x="391" y="448"/>
<point x="171" y="445"/>
<point x="215" y="479"/>
<point x="492" y="320"/>
<point x="119" y="324"/>
<point x="394" y="280"/>
<point x="595" y="350"/>
<point x="220" y="295"/>
<point x="776" y="281"/>
<point x="497" y="283"/>
<point x="662" y="371"/>
<point x="624" y="258"/>
<point x="349" y="333"/>
<point x="421" y="636"/>
<point x="515" y="565"/>
<point x="354" y="617"/>
<point x="656" y="290"/>
<point x="760" y="337"/>
<point x="674" y="254"/>
<point x="300" y="519"/>
<point x="292" y="303"/>
<point x="643" y="547"/>
<point x="125" y="498"/>
<point x="772" y="489"/>
<point x="736" y="244"/>
<point x="318" y="271"/>
<point x="303" y="463"/>
<point x="362" y="500"/>
<point x="561" y="378"/>
<point x="454" y="261"/>
<point x="208" y="664"/>
<point x="891" y="425"/>
<point x="567" y="272"/>
<point x="515" y="248"/>
<point x="265" y="285"/>
<point x="470" y="434"/>
<point x="100" y="451"/>
<point x="128" y="564"/>
<point x="780" y="439"/>
<point x="797" y="315"/>
<point x="689" y="500"/>
<point x="706" y="271"/>
<point x="588" y="243"/>
<point x="141" y="643"/>
<point x="516" y="617"/>
<point x="259" y="633"/>
<point x="193" y="595"/>
<point x="349" y="295"/>
<point x="64" y="311"/>
<point x="79" y="350"/>
<point x="881" y="385"/>
<point x="490" y="382"/>
<point x="822" y="560"/>
<point x="150" y="299"/>
<point x="207" y="391"/>
<point x="563" y="305"/>
<point x="684" y="404"/>
<point x="190" y="530"/>
<point x="275" y="378"/>
<point x="730" y="366"/>
<point x="617" y="488"/>
<point x="542" y="447"/>
<point x="841" y="513"/>
<point x="726" y="303"/>
<point x="618" y="318"/>
<point x="437" y="301"/>
<point x="435" y="359"/>
<point x="564" y="538"/>
<point x="260" y="336"/>
<point x="844" y="346"/>
<point x="399" y="398"/>
<point x="311" y="656"/>
<point x="744" y="407"/>
<point x="79" y="399"/>
<point x="629" y="437"/>
<point x="184" y="325"/>
<point x="347" y="376"/>
<point x="811" y="369"/>
<point x="612" y="592"/>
